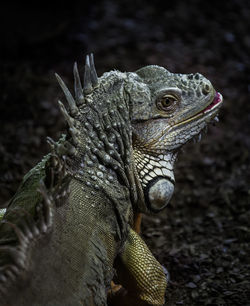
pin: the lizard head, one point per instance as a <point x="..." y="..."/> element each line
<point x="168" y="110"/>
<point x="145" y="117"/>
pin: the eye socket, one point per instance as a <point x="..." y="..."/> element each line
<point x="167" y="103"/>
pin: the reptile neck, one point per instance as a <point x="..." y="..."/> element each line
<point x="149" y="167"/>
<point x="103" y="153"/>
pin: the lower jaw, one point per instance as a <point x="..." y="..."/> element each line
<point x="210" y="110"/>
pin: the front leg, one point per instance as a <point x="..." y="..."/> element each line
<point x="140" y="274"/>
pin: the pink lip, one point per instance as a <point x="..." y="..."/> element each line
<point x="217" y="99"/>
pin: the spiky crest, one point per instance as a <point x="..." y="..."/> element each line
<point x="94" y="78"/>
<point x="78" y="86"/>
<point x="72" y="105"/>
<point x="72" y="129"/>
<point x="90" y="83"/>
<point x="87" y="88"/>
<point x="90" y="76"/>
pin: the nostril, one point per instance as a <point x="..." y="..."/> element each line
<point x="197" y="76"/>
<point x="206" y="88"/>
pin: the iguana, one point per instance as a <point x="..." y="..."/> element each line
<point x="73" y="224"/>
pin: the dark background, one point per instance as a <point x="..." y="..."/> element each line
<point x="203" y="236"/>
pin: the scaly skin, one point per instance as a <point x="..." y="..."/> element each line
<point x="76" y="215"/>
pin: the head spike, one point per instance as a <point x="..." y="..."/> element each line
<point x="78" y="86"/>
<point x="65" y="113"/>
<point x="73" y="131"/>
<point x="70" y="99"/>
<point x="94" y="78"/>
<point x="87" y="86"/>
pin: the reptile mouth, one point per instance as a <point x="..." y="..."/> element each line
<point x="210" y="108"/>
<point x="216" y="101"/>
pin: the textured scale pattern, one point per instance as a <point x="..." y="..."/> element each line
<point x="145" y="276"/>
<point x="150" y="166"/>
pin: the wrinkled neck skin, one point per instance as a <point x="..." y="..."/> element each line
<point x="156" y="174"/>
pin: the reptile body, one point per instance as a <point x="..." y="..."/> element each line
<point x="78" y="211"/>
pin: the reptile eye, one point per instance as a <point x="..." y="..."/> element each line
<point x="167" y="103"/>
